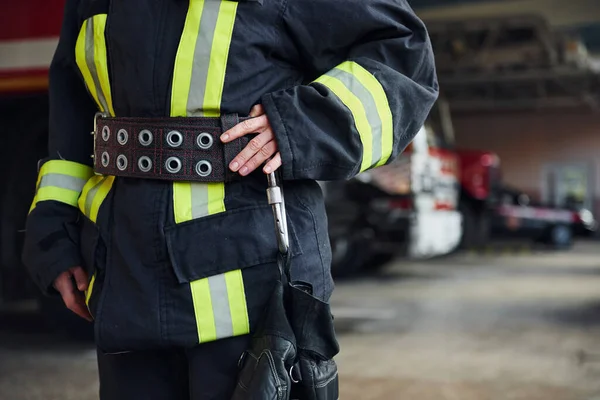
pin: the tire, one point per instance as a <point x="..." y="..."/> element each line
<point x="560" y="237"/>
<point x="475" y="227"/>
<point x="349" y="256"/>
<point x="378" y="261"/>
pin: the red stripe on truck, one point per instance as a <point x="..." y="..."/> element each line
<point x="24" y="80"/>
<point x="27" y="19"/>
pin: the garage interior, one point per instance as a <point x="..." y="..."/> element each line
<point x="522" y="80"/>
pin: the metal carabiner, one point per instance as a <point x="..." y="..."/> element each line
<point x="276" y="200"/>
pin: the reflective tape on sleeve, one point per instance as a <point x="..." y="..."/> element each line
<point x="61" y="181"/>
<point x="366" y="100"/>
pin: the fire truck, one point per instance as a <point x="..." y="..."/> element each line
<point x="409" y="207"/>
<point x="434" y="199"/>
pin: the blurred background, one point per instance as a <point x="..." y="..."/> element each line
<point x="467" y="269"/>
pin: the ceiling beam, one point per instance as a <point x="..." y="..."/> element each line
<point x="559" y="13"/>
<point x="497" y="77"/>
<point x="515" y="104"/>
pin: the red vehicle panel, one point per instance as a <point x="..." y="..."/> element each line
<point x="28" y="37"/>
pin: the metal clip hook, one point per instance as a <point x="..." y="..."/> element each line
<point x="276" y="200"/>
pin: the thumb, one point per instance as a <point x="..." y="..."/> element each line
<point x="81" y="278"/>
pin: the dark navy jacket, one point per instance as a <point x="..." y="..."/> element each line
<point x="346" y="85"/>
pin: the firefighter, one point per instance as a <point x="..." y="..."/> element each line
<point x="164" y="237"/>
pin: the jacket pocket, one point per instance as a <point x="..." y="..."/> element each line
<point x="93" y="254"/>
<point x="224" y="242"/>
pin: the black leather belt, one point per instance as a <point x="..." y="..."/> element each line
<point x="175" y="149"/>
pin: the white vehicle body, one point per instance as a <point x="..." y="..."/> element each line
<point x="434" y="222"/>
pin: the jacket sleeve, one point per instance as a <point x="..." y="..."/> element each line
<point x="51" y="243"/>
<point x="372" y="83"/>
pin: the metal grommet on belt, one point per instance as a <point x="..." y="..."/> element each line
<point x="145" y="137"/>
<point x="203" y="168"/>
<point x="173" y="165"/>
<point x="105" y="133"/>
<point x="204" y="140"/>
<point x="105" y="159"/>
<point x="122" y="136"/>
<point x="145" y="164"/>
<point x="122" y="162"/>
<point x="174" y="138"/>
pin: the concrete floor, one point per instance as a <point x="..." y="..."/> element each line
<point x="481" y="327"/>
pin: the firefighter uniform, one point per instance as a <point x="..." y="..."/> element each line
<point x="346" y="84"/>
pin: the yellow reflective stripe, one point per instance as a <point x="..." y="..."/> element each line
<point x="198" y="80"/>
<point x="93" y="181"/>
<point x="92" y="61"/>
<point x="64" y="167"/>
<point x="57" y="194"/>
<point x="220" y="306"/>
<point x="93" y="195"/>
<point x="218" y="58"/>
<point x="358" y="112"/>
<point x="62" y="194"/>
<point x="101" y="59"/>
<point x="216" y="198"/>
<point x="205" y="318"/>
<point x="182" y="201"/>
<point x="34" y="201"/>
<point x="184" y="61"/>
<point x="90" y="289"/>
<point x="381" y="101"/>
<point x="100" y="196"/>
<point x="237" y="303"/>
<point x="80" y="58"/>
<point x="197" y="200"/>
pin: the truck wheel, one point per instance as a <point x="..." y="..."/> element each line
<point x="475" y="227"/>
<point x="378" y="261"/>
<point x="348" y="256"/>
<point x="561" y="237"/>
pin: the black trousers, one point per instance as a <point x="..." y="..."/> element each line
<point x="206" y="372"/>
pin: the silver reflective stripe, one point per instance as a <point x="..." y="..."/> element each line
<point x="208" y="24"/>
<point x="89" y="59"/>
<point x="90" y="196"/>
<point x="199" y="200"/>
<point x="220" y="305"/>
<point x="368" y="102"/>
<point x="62" y="181"/>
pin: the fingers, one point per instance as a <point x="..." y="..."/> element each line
<point x="273" y="164"/>
<point x="259" y="158"/>
<point x="81" y="278"/>
<point x="258" y="150"/>
<point x="257" y="110"/>
<point x="73" y="299"/>
<point x="252" y="125"/>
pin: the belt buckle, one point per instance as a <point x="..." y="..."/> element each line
<point x="95" y="131"/>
